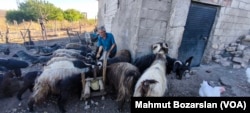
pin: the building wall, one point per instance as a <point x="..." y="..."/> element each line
<point x="106" y="12"/>
<point x="136" y="24"/>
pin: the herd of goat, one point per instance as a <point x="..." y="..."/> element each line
<point x="65" y="67"/>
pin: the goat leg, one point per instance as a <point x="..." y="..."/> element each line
<point x="120" y="105"/>
<point x="62" y="100"/>
<point x="21" y="91"/>
<point x="30" y="104"/>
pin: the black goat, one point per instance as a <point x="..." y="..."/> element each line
<point x="174" y="65"/>
<point x="30" y="58"/>
<point x="66" y="87"/>
<point x="8" y="84"/>
<point x="121" y="56"/>
<point x="28" y="83"/>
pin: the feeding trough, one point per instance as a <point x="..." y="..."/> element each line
<point x="94" y="86"/>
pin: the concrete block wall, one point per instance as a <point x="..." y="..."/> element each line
<point x="106" y="12"/>
<point x="125" y="25"/>
<point x="154" y="17"/>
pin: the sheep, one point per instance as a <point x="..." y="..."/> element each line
<point x="51" y="75"/>
<point x="28" y="83"/>
<point x="153" y="81"/>
<point x="122" y="77"/>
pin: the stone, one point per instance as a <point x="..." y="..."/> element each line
<point x="225" y="63"/>
<point x="244" y="65"/>
<point x="238" y="60"/>
<point x="241" y="47"/>
<point x="246" y="38"/>
<point x="230" y="49"/>
<point x="236" y="66"/>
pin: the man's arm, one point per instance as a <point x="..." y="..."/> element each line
<point x="112" y="47"/>
<point x="99" y="52"/>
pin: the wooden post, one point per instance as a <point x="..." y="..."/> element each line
<point x="68" y="34"/>
<point x="79" y="37"/>
<point x="7" y="34"/>
<point x="23" y="36"/>
<point x="1" y="35"/>
<point x="104" y="68"/>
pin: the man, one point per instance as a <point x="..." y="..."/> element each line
<point x="106" y="42"/>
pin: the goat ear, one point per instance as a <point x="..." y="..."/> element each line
<point x="188" y="61"/>
<point x="176" y="66"/>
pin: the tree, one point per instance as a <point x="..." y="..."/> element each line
<point x="72" y="15"/>
<point x="12" y="15"/>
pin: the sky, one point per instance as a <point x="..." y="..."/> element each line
<point x="89" y="6"/>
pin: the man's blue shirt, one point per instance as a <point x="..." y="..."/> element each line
<point x="107" y="43"/>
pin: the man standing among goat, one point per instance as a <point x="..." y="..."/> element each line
<point x="106" y="42"/>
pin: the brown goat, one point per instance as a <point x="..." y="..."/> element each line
<point x="122" y="77"/>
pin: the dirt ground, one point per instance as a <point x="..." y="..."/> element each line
<point x="234" y="80"/>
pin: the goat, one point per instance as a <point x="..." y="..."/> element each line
<point x="121" y="56"/>
<point x="67" y="86"/>
<point x="8" y="84"/>
<point x="173" y="65"/>
<point x="122" y="77"/>
<point x="51" y="75"/>
<point x="28" y="83"/>
<point x="178" y="67"/>
<point x="14" y="65"/>
<point x="30" y="58"/>
<point x="153" y="81"/>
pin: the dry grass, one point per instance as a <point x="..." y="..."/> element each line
<point x="55" y="29"/>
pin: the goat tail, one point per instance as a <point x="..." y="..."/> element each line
<point x="125" y="87"/>
<point x="41" y="90"/>
<point x="145" y="88"/>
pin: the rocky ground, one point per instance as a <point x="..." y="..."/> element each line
<point x="234" y="80"/>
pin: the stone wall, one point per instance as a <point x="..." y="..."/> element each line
<point x="231" y="23"/>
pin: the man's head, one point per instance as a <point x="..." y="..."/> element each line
<point x="102" y="31"/>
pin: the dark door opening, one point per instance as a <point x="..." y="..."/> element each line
<point x="197" y="30"/>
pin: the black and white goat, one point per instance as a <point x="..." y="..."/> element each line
<point x="122" y="78"/>
<point x="47" y="82"/>
<point x="173" y="66"/>
<point x="153" y="82"/>
<point x="178" y="67"/>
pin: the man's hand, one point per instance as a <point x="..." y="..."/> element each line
<point x="97" y="55"/>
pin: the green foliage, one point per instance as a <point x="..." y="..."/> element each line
<point x="72" y="15"/>
<point x="16" y="15"/>
<point x="34" y="9"/>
